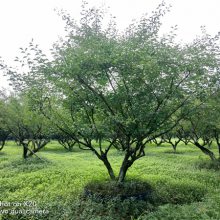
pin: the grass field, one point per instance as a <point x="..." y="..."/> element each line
<point x="185" y="185"/>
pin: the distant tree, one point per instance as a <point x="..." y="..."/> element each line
<point x="124" y="89"/>
<point x="27" y="127"/>
<point x="202" y="127"/>
<point x="211" y="121"/>
<point x="4" y="132"/>
<point x="173" y="138"/>
<point x="64" y="140"/>
<point x="3" y="137"/>
<point x="158" y="141"/>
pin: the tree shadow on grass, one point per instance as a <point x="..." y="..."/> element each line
<point x="2" y="153"/>
<point x="173" y="152"/>
<point x="61" y="150"/>
<point x="27" y="165"/>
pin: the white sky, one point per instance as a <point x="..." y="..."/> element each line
<point x="22" y="20"/>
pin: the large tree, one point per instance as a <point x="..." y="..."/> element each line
<point x="122" y="88"/>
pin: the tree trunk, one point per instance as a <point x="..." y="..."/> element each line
<point x="206" y="151"/>
<point x="218" y="143"/>
<point x="25" y="150"/>
<point x="124" y="167"/>
<point x="2" y="145"/>
<point x="219" y="151"/>
<point x="108" y="167"/>
<point x="174" y="148"/>
<point x="173" y="145"/>
<point x="122" y="173"/>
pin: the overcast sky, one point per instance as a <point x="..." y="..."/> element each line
<point x="22" y="20"/>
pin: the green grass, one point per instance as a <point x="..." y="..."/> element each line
<point x="185" y="189"/>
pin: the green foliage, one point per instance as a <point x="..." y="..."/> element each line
<point x="22" y="122"/>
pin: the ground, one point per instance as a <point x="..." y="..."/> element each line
<point x="184" y="184"/>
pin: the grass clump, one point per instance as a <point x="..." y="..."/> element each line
<point x="208" y="164"/>
<point x="178" y="192"/>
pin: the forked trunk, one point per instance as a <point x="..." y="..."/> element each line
<point x="174" y="147"/>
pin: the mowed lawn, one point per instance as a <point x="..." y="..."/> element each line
<point x="51" y="188"/>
